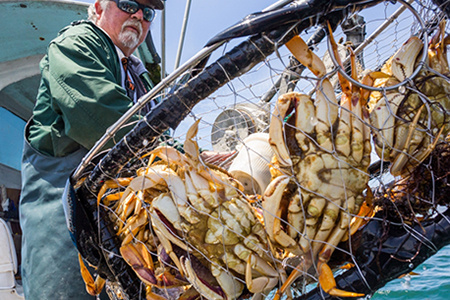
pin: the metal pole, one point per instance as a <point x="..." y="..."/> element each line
<point x="183" y="33"/>
<point x="354" y="29"/>
<point x="163" y="42"/>
<point x="380" y="29"/>
<point x="277" y="4"/>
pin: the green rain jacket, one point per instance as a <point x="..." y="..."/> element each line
<point x="80" y="94"/>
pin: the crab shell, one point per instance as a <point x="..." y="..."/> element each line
<point x="321" y="159"/>
<point x="407" y="125"/>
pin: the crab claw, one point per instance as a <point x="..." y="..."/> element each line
<point x="403" y="62"/>
<point x="137" y="256"/>
<point x="328" y="284"/>
<point x="276" y="138"/>
<point x="92" y="287"/>
<point x="206" y="285"/>
<point x="325" y="104"/>
<point x="164" y="229"/>
<point x="272" y="212"/>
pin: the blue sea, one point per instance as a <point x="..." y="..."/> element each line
<point x="432" y="283"/>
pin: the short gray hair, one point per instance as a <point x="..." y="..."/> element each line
<point x="92" y="16"/>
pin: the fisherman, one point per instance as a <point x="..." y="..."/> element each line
<point x="89" y="80"/>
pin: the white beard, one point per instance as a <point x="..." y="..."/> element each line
<point x="130" y="38"/>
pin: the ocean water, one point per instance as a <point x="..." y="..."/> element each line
<point x="432" y="283"/>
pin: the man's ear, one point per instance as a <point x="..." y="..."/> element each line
<point x="98" y="9"/>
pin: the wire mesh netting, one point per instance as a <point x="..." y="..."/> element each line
<point x="275" y="174"/>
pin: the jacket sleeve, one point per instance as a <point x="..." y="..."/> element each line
<point x="85" y="87"/>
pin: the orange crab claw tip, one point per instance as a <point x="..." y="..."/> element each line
<point x="347" y="266"/>
<point x="408" y="274"/>
<point x="340" y="293"/>
<point x="328" y="283"/>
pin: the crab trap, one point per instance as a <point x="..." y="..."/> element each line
<point x="310" y="136"/>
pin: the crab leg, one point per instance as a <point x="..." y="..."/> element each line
<point x="358" y="127"/>
<point x="296" y="217"/>
<point x="112" y="184"/>
<point x="350" y="102"/>
<point x="92" y="287"/>
<point x="365" y="210"/>
<point x="399" y="165"/>
<point x="264" y="283"/>
<point x="298" y="271"/>
<point x="133" y="226"/>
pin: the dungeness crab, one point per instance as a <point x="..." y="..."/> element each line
<point x="320" y="169"/>
<point x="408" y="124"/>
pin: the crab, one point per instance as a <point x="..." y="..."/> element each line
<point x="202" y="221"/>
<point x="320" y="170"/>
<point x="407" y="124"/>
<point x="140" y="248"/>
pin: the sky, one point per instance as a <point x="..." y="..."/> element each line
<point x="206" y="19"/>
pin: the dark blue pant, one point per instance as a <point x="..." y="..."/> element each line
<point x="50" y="268"/>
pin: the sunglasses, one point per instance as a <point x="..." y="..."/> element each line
<point x="132" y="7"/>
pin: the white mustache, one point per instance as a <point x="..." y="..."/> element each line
<point x="133" y="23"/>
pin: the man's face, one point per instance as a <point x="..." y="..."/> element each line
<point x="127" y="31"/>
